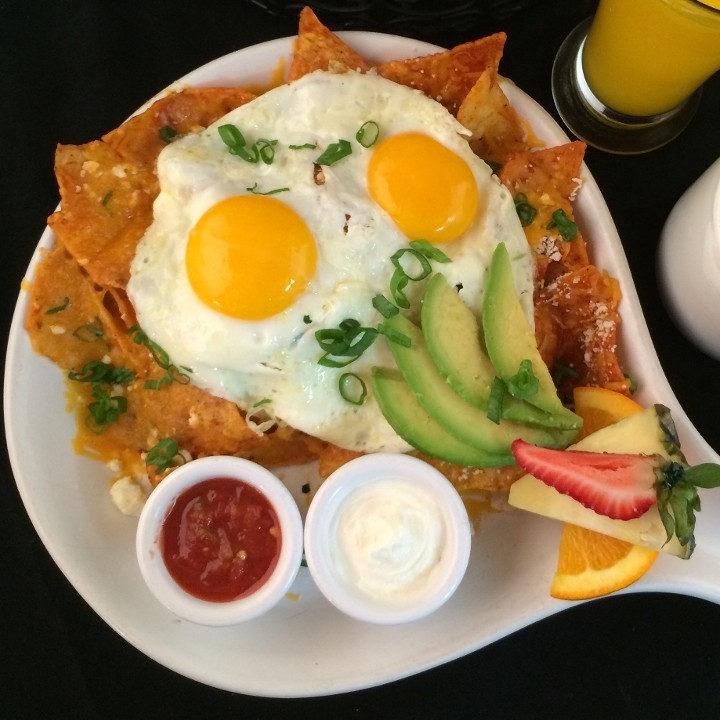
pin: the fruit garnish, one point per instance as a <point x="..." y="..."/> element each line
<point x="599" y="407"/>
<point x="617" y="485"/>
<point x="624" y="486"/>
<point x="591" y="564"/>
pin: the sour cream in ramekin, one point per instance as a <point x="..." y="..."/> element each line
<point x="387" y="538"/>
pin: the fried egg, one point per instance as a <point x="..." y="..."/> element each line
<point x="245" y="260"/>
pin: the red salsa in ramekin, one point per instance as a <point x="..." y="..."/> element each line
<point x="221" y="539"/>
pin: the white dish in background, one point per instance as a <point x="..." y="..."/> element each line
<point x="689" y="261"/>
<point x="303" y="646"/>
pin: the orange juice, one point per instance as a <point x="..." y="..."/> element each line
<point x="644" y="57"/>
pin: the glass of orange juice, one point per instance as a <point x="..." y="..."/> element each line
<point x="629" y="79"/>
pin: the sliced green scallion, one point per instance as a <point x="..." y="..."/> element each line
<point x="334" y="153"/>
<point x="344" y="344"/>
<point x="525" y="211"/>
<point x="168" y="134"/>
<point x="163" y="455"/>
<point x="524" y="384"/>
<point x="495" y="400"/>
<point x="59" y="308"/>
<point x="352" y="388"/>
<point x="568" y="229"/>
<point x="161" y="358"/>
<point x="255" y="191"/>
<point x="384" y="306"/>
<point x="368" y="133"/>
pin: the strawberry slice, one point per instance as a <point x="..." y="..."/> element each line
<point x="618" y="485"/>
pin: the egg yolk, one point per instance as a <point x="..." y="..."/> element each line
<point x="250" y="257"/>
<point x="427" y="189"/>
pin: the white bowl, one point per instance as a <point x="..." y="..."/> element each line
<point x="362" y="534"/>
<point x="150" y="557"/>
<point x="689" y="261"/>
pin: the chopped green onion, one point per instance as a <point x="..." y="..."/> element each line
<point x="633" y="383"/>
<point x="168" y="133"/>
<point x="525" y="211"/>
<point x="161" y="358"/>
<point x="231" y="136"/>
<point x="255" y="191"/>
<point x="398" y="283"/>
<point x="88" y="333"/>
<point x="560" y="371"/>
<point x="395" y="336"/>
<point x="568" y="229"/>
<point x="344" y="344"/>
<point x="163" y="454"/>
<point x="368" y="133"/>
<point x="59" y="308"/>
<point x="235" y="141"/>
<point x="429" y="251"/>
<point x="523" y="384"/>
<point x="95" y="371"/>
<point x="425" y="267"/>
<point x="334" y="152"/>
<point x="304" y="146"/>
<point x="266" y="148"/>
<point x="106" y="409"/>
<point x="307" y="319"/>
<point x="352" y="388"/>
<point x="384" y="306"/>
<point x="106" y="198"/>
<point x="495" y="400"/>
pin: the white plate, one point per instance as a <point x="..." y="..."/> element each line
<point x="305" y="647"/>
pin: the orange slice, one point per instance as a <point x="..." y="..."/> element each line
<point x="591" y="564"/>
<point x="599" y="407"/>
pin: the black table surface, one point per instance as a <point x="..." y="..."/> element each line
<point x="71" y="70"/>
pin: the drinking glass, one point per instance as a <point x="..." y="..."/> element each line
<point x="629" y="79"/>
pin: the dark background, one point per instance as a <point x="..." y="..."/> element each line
<point x="72" y="70"/>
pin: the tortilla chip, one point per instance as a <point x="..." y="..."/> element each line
<point x="106" y="204"/>
<point x="107" y="187"/>
<point x="549" y="179"/>
<point x="583" y="308"/>
<point x="318" y="48"/>
<point x="497" y="130"/>
<point x="448" y="76"/>
<point x="139" y="140"/>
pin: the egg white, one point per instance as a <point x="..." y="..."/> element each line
<point x="276" y="358"/>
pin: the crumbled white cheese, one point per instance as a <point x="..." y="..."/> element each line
<point x="57" y="329"/>
<point x="129" y="494"/>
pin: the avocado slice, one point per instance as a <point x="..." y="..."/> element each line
<point x="649" y="432"/>
<point x="412" y="423"/>
<point x="466" y="422"/>
<point x="454" y="340"/>
<point x="510" y="339"/>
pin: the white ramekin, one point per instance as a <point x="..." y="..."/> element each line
<point x="321" y="544"/>
<point x="149" y="554"/>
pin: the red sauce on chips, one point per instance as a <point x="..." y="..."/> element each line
<point x="221" y="540"/>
